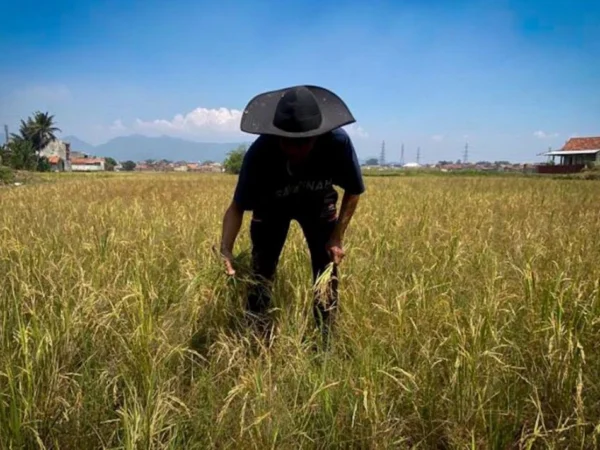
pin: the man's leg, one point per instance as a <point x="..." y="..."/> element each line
<point x="317" y="232"/>
<point x="268" y="237"/>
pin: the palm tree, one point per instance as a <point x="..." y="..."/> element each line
<point x="38" y="130"/>
<point x="42" y="130"/>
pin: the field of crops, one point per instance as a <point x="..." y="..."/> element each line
<point x="470" y="317"/>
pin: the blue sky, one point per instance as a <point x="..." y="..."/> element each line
<point x="511" y="77"/>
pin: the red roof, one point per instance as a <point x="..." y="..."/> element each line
<point x="54" y="159"/>
<point x="585" y="143"/>
<point x="83" y="161"/>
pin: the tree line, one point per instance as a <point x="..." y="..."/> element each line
<point x="22" y="151"/>
<point x="235" y="158"/>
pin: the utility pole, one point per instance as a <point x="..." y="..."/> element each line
<point x="402" y="155"/>
<point x="6" y="134"/>
<point x="382" y="156"/>
<point x="466" y="154"/>
<point x="418" y="155"/>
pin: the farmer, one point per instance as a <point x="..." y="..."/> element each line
<point x="288" y="173"/>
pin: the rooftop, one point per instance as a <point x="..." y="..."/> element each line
<point x="82" y="161"/>
<point x="582" y="143"/>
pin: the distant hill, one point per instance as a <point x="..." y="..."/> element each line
<point x="138" y="148"/>
<point x="78" y="145"/>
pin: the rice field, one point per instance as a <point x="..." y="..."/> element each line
<point x="470" y="318"/>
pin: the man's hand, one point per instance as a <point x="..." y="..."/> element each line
<point x="335" y="250"/>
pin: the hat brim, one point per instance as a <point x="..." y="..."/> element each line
<point x="258" y="115"/>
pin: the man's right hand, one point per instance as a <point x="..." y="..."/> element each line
<point x="227" y="259"/>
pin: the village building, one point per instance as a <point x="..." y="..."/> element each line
<point x="57" y="164"/>
<point x="576" y="154"/>
<point x="63" y="159"/>
<point x="59" y="155"/>
<point x="88" y="164"/>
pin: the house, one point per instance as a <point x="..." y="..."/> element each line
<point x="59" y="152"/>
<point x="57" y="164"/>
<point x="79" y="155"/>
<point x="88" y="164"/>
<point x="576" y="154"/>
<point x="210" y="167"/>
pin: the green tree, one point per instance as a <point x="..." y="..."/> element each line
<point x="3" y="154"/>
<point x="372" y="162"/>
<point x="110" y="163"/>
<point x="128" y="166"/>
<point x="43" y="165"/>
<point x="21" y="155"/>
<point x="43" y="130"/>
<point x="39" y="130"/>
<point x="234" y="160"/>
<point x="35" y="133"/>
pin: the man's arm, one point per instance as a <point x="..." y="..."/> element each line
<point x="232" y="222"/>
<point x="347" y="208"/>
<point x="335" y="244"/>
<point x="350" y="180"/>
<point x="243" y="199"/>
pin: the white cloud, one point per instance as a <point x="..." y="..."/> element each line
<point x="200" y="120"/>
<point x="543" y="135"/>
<point x="201" y="123"/>
<point x="437" y="137"/>
<point x="117" y="126"/>
<point x="356" y="131"/>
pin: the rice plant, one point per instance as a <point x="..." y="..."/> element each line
<point x="469" y="317"/>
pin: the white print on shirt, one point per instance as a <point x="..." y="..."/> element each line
<point x="306" y="185"/>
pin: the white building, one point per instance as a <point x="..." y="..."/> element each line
<point x="88" y="165"/>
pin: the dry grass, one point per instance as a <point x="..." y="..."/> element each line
<point x="470" y="318"/>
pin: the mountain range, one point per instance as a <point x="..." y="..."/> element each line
<point x="136" y="147"/>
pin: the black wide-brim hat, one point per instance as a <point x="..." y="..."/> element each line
<point x="296" y="112"/>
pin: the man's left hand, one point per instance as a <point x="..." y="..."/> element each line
<point x="335" y="250"/>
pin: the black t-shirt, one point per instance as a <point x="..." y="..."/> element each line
<point x="267" y="184"/>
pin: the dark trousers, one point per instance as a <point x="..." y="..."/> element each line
<point x="268" y="237"/>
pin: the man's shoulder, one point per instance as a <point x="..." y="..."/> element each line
<point x="339" y="144"/>
<point x="339" y="136"/>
